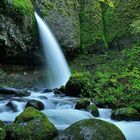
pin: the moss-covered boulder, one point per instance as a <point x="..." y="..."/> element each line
<point x="13" y="92"/>
<point x="17" y="31"/>
<point x="31" y="124"/>
<point x="94" y="110"/>
<point x="2" y="131"/>
<point x="63" y="18"/>
<point x="91" y="129"/>
<point x="79" y="84"/>
<point x="126" y="113"/>
<point x="35" y="104"/>
<point x="82" y="104"/>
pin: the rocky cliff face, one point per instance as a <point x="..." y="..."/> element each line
<point x="17" y="31"/>
<point x="86" y="24"/>
<point x="62" y="16"/>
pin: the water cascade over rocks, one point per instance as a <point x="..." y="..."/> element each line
<point x="60" y="111"/>
<point x="57" y="67"/>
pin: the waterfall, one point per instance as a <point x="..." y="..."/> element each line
<point x="58" y="71"/>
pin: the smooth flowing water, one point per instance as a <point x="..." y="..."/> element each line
<point x="58" y="71"/>
<point x="60" y="111"/>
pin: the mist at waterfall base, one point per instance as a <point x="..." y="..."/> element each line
<point x="58" y="71"/>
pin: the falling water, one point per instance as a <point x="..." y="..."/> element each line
<point x="57" y="67"/>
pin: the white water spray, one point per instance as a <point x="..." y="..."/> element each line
<point x="57" y="67"/>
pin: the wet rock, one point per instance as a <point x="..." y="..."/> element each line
<point x="1" y="98"/>
<point x="23" y="93"/>
<point x="79" y="84"/>
<point x="94" y="110"/>
<point x="57" y="92"/>
<point x="31" y="124"/>
<point x="91" y="129"/>
<point x="18" y="99"/>
<point x="8" y="90"/>
<point x="2" y="131"/>
<point x="35" y="104"/>
<point x="82" y="104"/>
<point x="126" y="113"/>
<point x="14" y="92"/>
<point x="48" y="90"/>
<point x="43" y="97"/>
<point x="12" y="106"/>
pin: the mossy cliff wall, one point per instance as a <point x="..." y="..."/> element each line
<point x="91" y="25"/>
<point x="86" y="24"/>
<point x="119" y="17"/>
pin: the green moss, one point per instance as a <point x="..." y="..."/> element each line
<point x="118" y="17"/>
<point x="109" y="23"/>
<point x="136" y="26"/>
<point x="82" y="104"/>
<point x="29" y="114"/>
<point x="136" y="106"/>
<point x="125" y="114"/>
<point x="94" y="110"/>
<point x="39" y="128"/>
<point x="2" y="131"/>
<point x="92" y="129"/>
<point x="91" y="25"/>
<point x="23" y="7"/>
<point x="31" y="124"/>
<point x="79" y="84"/>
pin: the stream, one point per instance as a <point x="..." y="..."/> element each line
<point x="60" y="111"/>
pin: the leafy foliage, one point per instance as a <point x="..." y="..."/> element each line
<point x="23" y="6"/>
<point x="116" y="76"/>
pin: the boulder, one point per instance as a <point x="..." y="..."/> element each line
<point x="23" y="93"/>
<point x="12" y="106"/>
<point x="1" y="98"/>
<point x="82" y="104"/>
<point x="31" y="124"/>
<point x="79" y="84"/>
<point x="8" y="90"/>
<point x="14" y="92"/>
<point x="2" y="131"/>
<point x="94" y="110"/>
<point x="47" y="90"/>
<point x="126" y="113"/>
<point x="91" y="129"/>
<point x="35" y="104"/>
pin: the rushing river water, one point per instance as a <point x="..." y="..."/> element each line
<point x="60" y="111"/>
